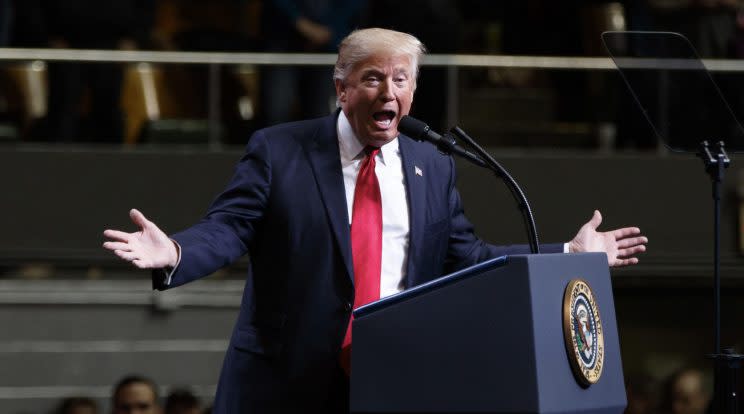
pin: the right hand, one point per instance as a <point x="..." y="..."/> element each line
<point x="149" y="248"/>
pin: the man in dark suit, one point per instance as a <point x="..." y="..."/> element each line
<point x="335" y="212"/>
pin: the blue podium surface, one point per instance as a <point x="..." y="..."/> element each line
<point x="430" y="286"/>
<point x="487" y="339"/>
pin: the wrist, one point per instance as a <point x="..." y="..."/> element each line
<point x="175" y="254"/>
<point x="571" y="247"/>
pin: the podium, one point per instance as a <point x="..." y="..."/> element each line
<point x="487" y="339"/>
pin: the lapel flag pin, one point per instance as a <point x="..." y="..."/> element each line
<point x="418" y="171"/>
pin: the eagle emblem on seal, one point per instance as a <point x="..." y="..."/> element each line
<point x="582" y="331"/>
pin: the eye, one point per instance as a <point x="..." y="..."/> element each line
<point x="372" y="80"/>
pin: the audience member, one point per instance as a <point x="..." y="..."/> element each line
<point x="214" y="26"/>
<point x="182" y="401"/>
<point x="715" y="26"/>
<point x="641" y="393"/>
<point x="686" y="392"/>
<point x="195" y="25"/>
<point x="300" y="92"/>
<point x="77" y="405"/>
<point x="135" y="395"/>
<point x="88" y="24"/>
<point x="6" y="11"/>
<point x="709" y="24"/>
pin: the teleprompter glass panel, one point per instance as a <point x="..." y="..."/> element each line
<point x="674" y="89"/>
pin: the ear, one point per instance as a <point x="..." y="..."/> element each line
<point x="340" y="90"/>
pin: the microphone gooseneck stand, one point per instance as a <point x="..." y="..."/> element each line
<point x="447" y="144"/>
<point x="726" y="362"/>
<point x="511" y="183"/>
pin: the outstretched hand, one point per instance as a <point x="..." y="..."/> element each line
<point x="149" y="248"/>
<point x="620" y="244"/>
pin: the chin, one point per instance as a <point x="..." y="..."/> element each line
<point x="380" y="140"/>
<point x="386" y="135"/>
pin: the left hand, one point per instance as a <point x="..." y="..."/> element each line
<point x="620" y="244"/>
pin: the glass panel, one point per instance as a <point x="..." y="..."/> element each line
<point x="674" y="90"/>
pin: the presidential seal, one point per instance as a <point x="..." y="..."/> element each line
<point x="582" y="331"/>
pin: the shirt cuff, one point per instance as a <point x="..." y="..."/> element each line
<point x="565" y="250"/>
<point x="168" y="271"/>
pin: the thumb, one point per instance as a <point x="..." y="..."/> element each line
<point x="596" y="220"/>
<point x="138" y="218"/>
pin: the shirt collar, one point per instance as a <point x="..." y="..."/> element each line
<point x="350" y="145"/>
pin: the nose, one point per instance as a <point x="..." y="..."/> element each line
<point x="386" y="92"/>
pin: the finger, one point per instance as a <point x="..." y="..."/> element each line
<point x="128" y="256"/>
<point x="117" y="235"/>
<point x="138" y="218"/>
<point x="126" y="247"/>
<point x="625" y="232"/>
<point x="625" y="262"/>
<point x="633" y="241"/>
<point x="631" y="251"/>
<point x="596" y="220"/>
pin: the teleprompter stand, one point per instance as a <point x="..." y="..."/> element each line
<point x="727" y="363"/>
<point x="682" y="103"/>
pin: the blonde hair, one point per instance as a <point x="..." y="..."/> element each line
<point x="363" y="43"/>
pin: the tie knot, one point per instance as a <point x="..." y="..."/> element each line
<point x="371" y="151"/>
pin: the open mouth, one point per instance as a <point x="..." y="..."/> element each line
<point x="383" y="119"/>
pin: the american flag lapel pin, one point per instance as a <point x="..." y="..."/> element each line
<point x="418" y="171"/>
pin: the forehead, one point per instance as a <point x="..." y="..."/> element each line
<point x="136" y="391"/>
<point x="384" y="62"/>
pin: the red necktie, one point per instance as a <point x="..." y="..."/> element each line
<point x="366" y="243"/>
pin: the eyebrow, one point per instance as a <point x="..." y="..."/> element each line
<point x="372" y="71"/>
<point x="403" y="71"/>
<point x="377" y="71"/>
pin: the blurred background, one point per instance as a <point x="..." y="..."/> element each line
<point x="105" y="106"/>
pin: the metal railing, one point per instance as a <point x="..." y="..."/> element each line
<point x="214" y="60"/>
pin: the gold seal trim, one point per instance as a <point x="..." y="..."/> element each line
<point x="583" y="333"/>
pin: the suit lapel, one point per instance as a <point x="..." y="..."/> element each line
<point x="325" y="160"/>
<point x="416" y="193"/>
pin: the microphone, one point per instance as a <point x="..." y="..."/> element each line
<point x="419" y="131"/>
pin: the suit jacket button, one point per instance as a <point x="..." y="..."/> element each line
<point x="348" y="306"/>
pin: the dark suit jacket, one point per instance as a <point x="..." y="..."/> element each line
<point x="286" y="206"/>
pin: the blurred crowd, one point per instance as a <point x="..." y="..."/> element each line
<point x="88" y="102"/>
<point x="95" y="102"/>
<point x="137" y="395"/>
<point x="686" y="391"/>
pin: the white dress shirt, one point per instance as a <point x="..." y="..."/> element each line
<point x="395" y="227"/>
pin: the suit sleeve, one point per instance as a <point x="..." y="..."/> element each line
<point x="228" y="228"/>
<point x="465" y="249"/>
